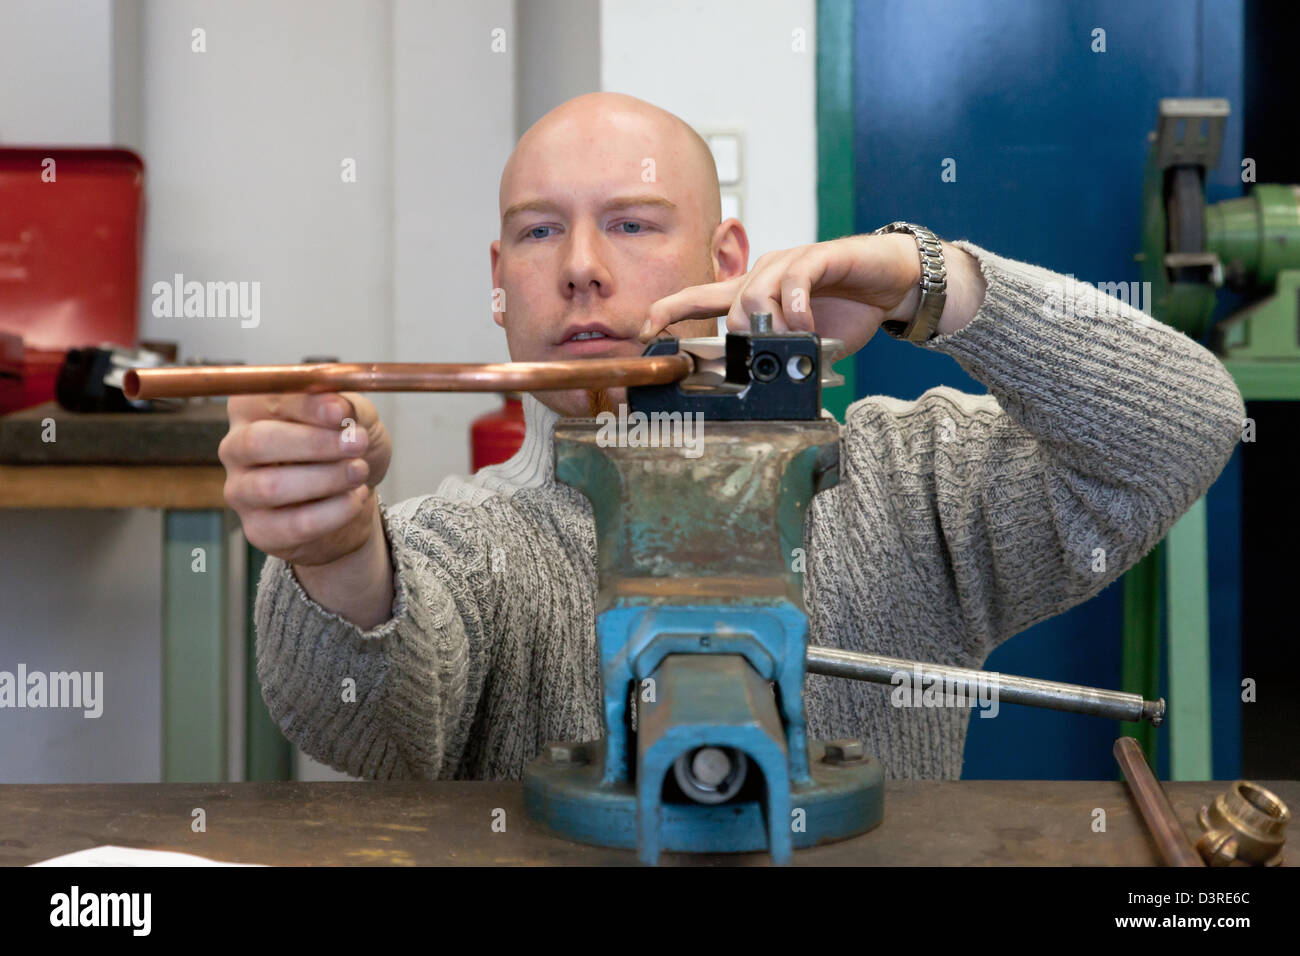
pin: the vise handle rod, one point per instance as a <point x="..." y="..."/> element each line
<point x="1052" y="695"/>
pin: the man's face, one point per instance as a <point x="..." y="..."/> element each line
<point x="604" y="212"/>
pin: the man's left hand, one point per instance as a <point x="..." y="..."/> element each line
<point x="841" y="289"/>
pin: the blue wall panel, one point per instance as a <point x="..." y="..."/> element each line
<point x="1049" y="140"/>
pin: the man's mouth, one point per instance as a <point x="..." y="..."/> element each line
<point x="590" y="335"/>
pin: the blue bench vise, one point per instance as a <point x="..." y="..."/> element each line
<point x="699" y="510"/>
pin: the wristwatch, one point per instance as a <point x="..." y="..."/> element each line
<point x="934" y="285"/>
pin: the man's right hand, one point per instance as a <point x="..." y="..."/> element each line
<point x="300" y="472"/>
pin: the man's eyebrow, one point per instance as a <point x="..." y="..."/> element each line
<point x="647" y="199"/>
<point x="532" y="205"/>
<point x="618" y="202"/>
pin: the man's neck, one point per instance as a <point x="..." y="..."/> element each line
<point x="531" y="467"/>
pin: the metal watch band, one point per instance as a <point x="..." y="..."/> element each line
<point x="934" y="285"/>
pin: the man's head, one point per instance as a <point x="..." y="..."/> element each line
<point x="607" y="205"/>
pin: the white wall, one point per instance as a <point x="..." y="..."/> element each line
<point x="729" y="64"/>
<point x="56" y="83"/>
<point x="244" y="145"/>
<point x="453" y="122"/>
<point x="79" y="590"/>
<point x="559" y="55"/>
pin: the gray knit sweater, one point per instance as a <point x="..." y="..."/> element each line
<point x="958" y="522"/>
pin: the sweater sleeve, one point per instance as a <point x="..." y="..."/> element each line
<point x="1102" y="427"/>
<point x="395" y="701"/>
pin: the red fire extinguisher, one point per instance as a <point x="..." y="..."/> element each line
<point x="496" y="436"/>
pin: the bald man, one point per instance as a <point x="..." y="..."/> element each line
<point x="453" y="634"/>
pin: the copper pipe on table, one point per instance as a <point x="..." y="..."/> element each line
<point x="1171" y="840"/>
<point x="145" y="383"/>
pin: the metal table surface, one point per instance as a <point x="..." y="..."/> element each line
<point x="927" y="823"/>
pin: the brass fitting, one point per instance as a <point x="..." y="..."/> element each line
<point x="1246" y="824"/>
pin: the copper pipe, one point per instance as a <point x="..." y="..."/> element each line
<point x="405" y="377"/>
<point x="1171" y="840"/>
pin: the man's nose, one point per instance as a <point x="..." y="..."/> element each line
<point x="584" y="268"/>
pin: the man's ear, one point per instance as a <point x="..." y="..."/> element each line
<point x="498" y="290"/>
<point x="730" y="250"/>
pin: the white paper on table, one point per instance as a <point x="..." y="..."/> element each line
<point x="126" y="856"/>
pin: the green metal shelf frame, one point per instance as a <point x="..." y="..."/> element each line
<point x="195" y="673"/>
<point x="835" y="156"/>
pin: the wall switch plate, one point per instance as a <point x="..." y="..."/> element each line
<point x="726" y="148"/>
<point x="731" y="205"/>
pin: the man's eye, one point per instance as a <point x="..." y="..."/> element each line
<point x="539" y="232"/>
<point x="630" y="228"/>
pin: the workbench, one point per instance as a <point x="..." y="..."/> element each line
<point x="407" y="823"/>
